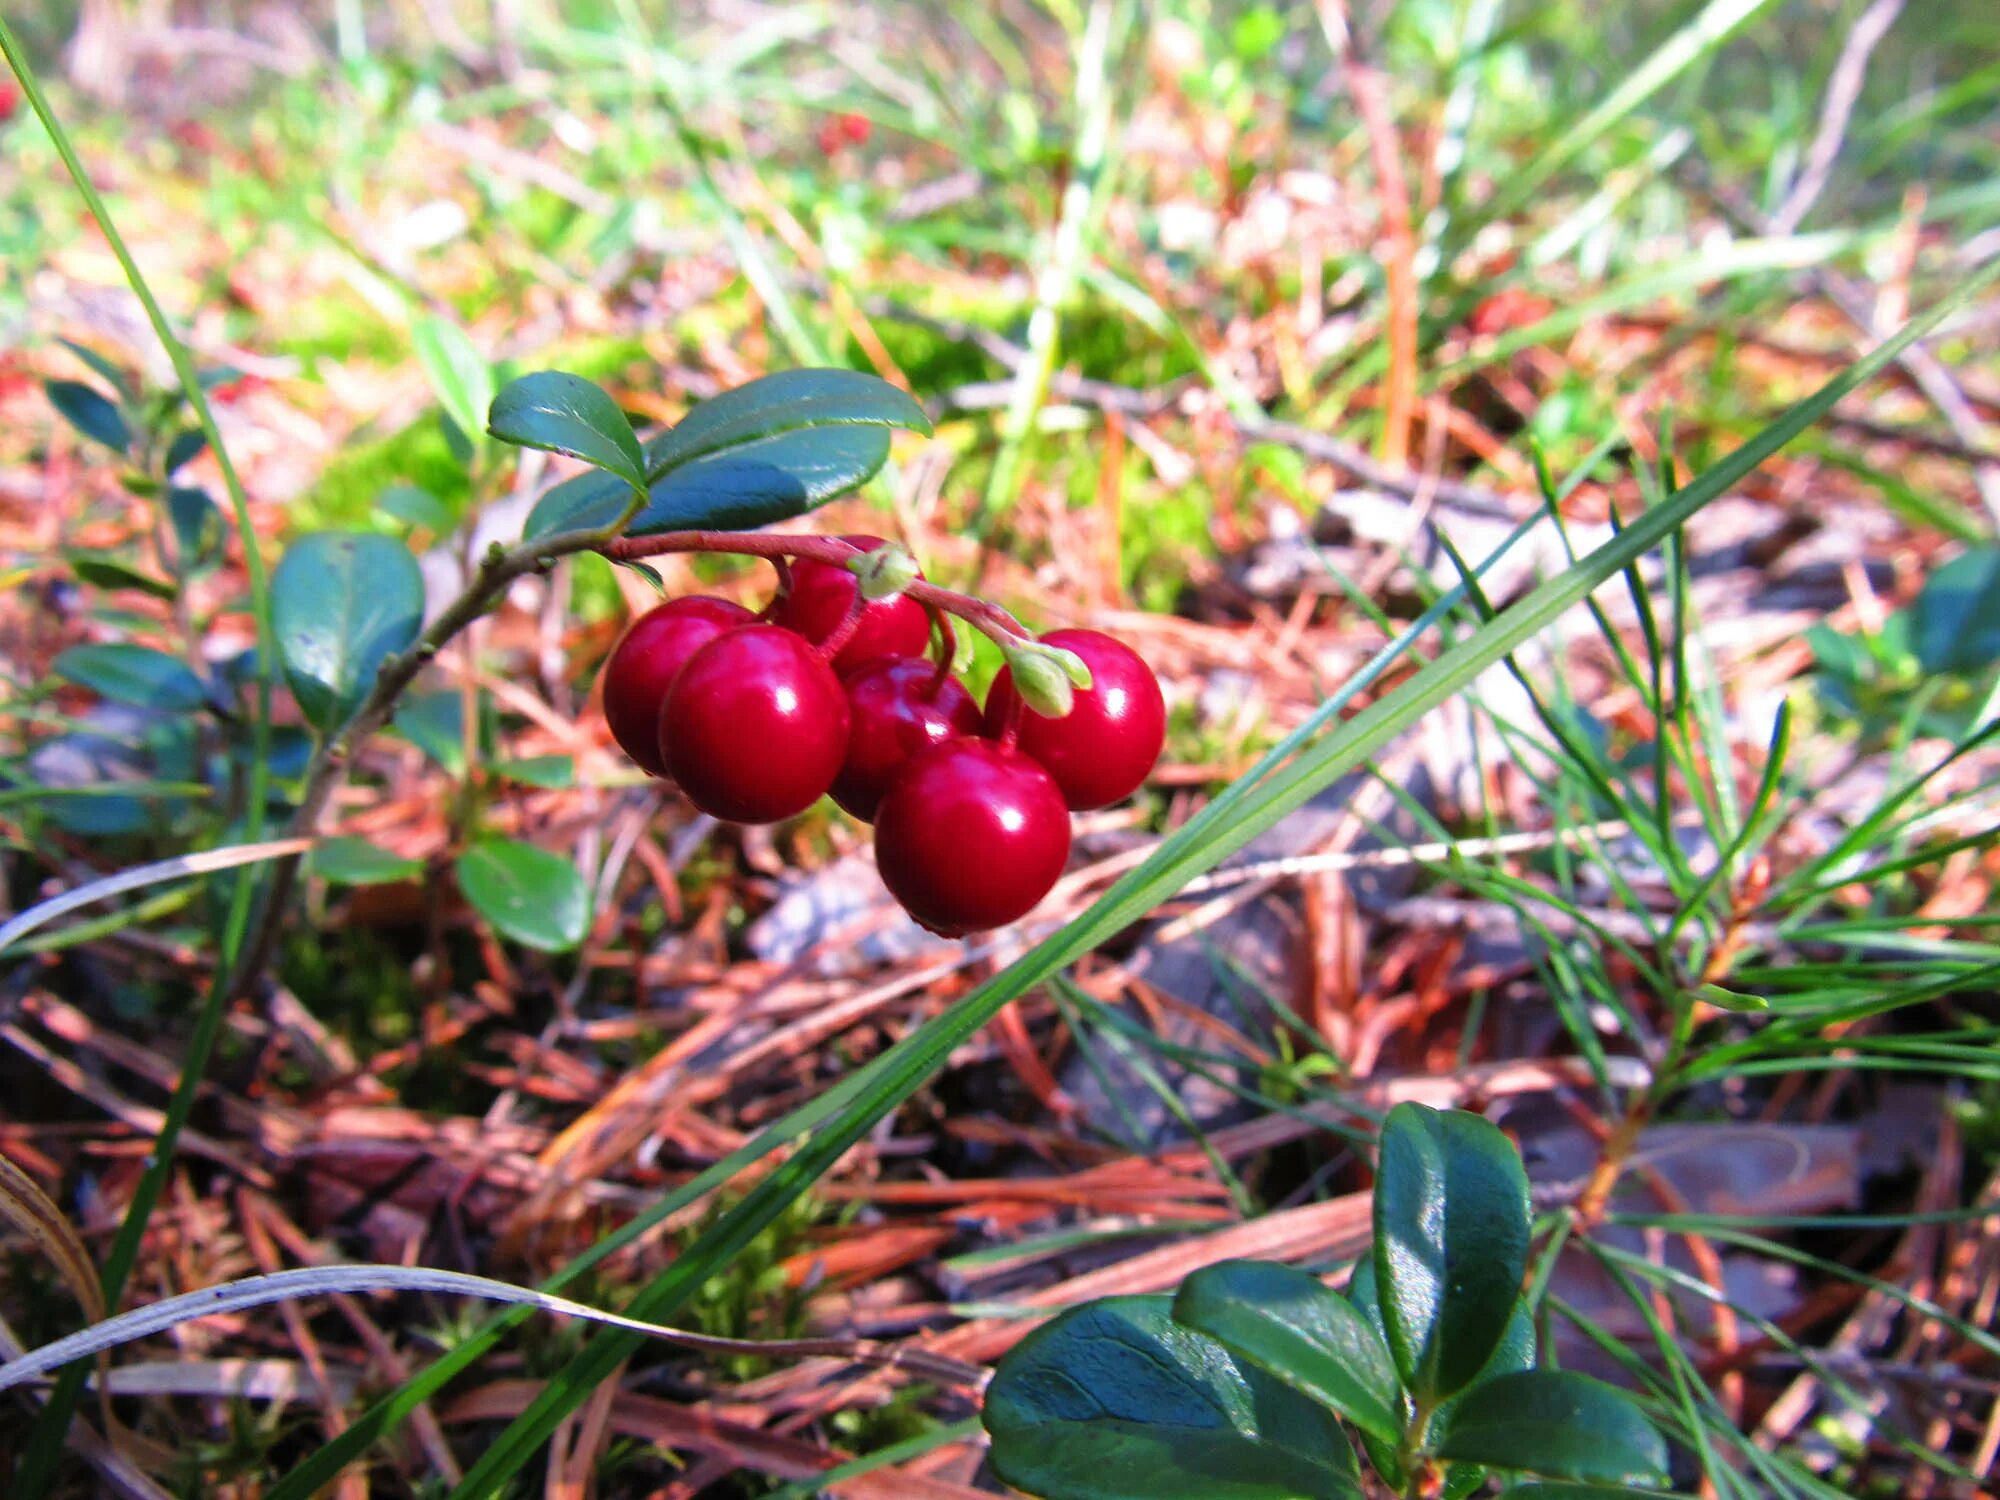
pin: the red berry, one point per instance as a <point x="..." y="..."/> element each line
<point x="897" y="706"/>
<point x="755" y="727"/>
<point x="1106" y="745"/>
<point x="647" y="659"/>
<point x="971" y="836"/>
<point x="823" y="594"/>
<point x="856" y="128"/>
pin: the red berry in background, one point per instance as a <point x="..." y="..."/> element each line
<point x="1107" y="744"/>
<point x="10" y="99"/>
<point x="971" y="836"/>
<point x="755" y="727"/>
<point x="856" y="129"/>
<point x="897" y="707"/>
<point x="821" y="596"/>
<point x="647" y="659"/>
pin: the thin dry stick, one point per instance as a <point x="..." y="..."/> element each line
<point x="1843" y="88"/>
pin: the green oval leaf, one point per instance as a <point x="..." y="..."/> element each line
<point x="107" y="570"/>
<point x="1288" y="1325"/>
<point x="352" y="861"/>
<point x="1114" y="1401"/>
<point x="553" y="773"/>
<point x="134" y="674"/>
<point x="185" y="448"/>
<point x="414" y="505"/>
<point x="197" y="527"/>
<point x="753" y="485"/>
<point x="1555" y="1423"/>
<point x="90" y="412"/>
<point x="565" y="413"/>
<point x="530" y="895"/>
<point x="781" y="403"/>
<point x="1451" y="1244"/>
<point x="342" y="602"/>
<point x="457" y="371"/>
<point x="116" y="378"/>
<point x="1956" y="617"/>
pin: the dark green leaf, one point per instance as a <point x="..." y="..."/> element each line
<point x="565" y="413"/>
<point x="1556" y="1423"/>
<point x="352" y="861"/>
<point x="1956" y="617"/>
<point x="341" y="602"/>
<point x="780" y="403"/>
<point x="748" y="486"/>
<point x="458" y="372"/>
<point x="133" y="674"/>
<point x="118" y="379"/>
<point x="1451" y="1244"/>
<point x="1540" y="1491"/>
<point x="1288" y="1325"/>
<point x="553" y="773"/>
<point x="90" y="412"/>
<point x="530" y="895"/>
<point x="1114" y="1401"/>
<point x="756" y="483"/>
<point x="415" y="506"/>
<point x="185" y="448"/>
<point x="1516" y="1352"/>
<point x="435" y="724"/>
<point x="107" y="570"/>
<point x="197" y="526"/>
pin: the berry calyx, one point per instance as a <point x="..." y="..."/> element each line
<point x="823" y="595"/>
<point x="755" y="727"/>
<point x="643" y="665"/>
<point x="970" y="836"/>
<point x="1106" y="745"/>
<point x="898" y="706"/>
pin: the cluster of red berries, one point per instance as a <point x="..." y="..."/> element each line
<point x="755" y="718"/>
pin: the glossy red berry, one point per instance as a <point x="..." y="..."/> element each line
<point x="1105" y="747"/>
<point x="645" y="662"/>
<point x="970" y="836"/>
<point x="823" y="594"/>
<point x="897" y="706"/>
<point x="755" y="727"/>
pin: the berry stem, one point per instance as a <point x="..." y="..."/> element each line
<point x="947" y="648"/>
<point x="844" y="631"/>
<point x="989" y="619"/>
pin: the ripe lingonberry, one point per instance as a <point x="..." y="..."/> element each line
<point x="1104" y="747"/>
<point x="645" y="662"/>
<point x="755" y="727"/>
<point x="822" y="596"/>
<point x="970" y="836"/>
<point x="897" y="706"/>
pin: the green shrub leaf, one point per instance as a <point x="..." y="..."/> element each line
<point x="341" y="602"/>
<point x="530" y="895"/>
<point x="1555" y="1423"/>
<point x="197" y="526"/>
<point x="1288" y="1325"/>
<point x="1957" y="615"/>
<point x="107" y="570"/>
<point x="134" y="674"/>
<point x="414" y="505"/>
<point x="781" y="403"/>
<point x="1114" y="1401"/>
<point x="1582" y="1492"/>
<point x="457" y="371"/>
<point x="352" y="861"/>
<point x="565" y="413"/>
<point x="90" y="412"/>
<point x="1451" y="1244"/>
<point x="435" y="724"/>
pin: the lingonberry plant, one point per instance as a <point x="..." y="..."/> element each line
<point x="1237" y="1387"/>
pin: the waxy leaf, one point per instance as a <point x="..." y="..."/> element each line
<point x="1956" y="617"/>
<point x="185" y="448"/>
<point x="1115" y="1401"/>
<point x="457" y="371"/>
<point x="565" y="413"/>
<point x="1451" y="1244"/>
<point x="197" y="526"/>
<point x="763" y="452"/>
<point x="415" y="506"/>
<point x="107" y="570"/>
<point x="134" y="674"/>
<point x="90" y="412"/>
<point x="342" y="602"/>
<point x="352" y="861"/>
<point x="1555" y="1423"/>
<point x="530" y="895"/>
<point x="1288" y="1325"/>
